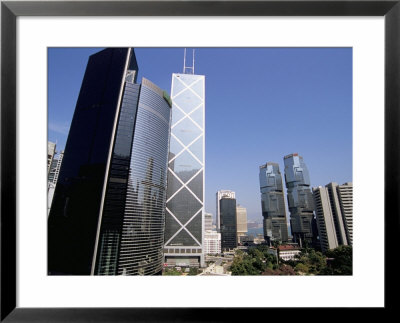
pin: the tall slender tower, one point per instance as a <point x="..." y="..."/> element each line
<point x="228" y="223"/>
<point x="300" y="200"/>
<point x="51" y="151"/>
<point x="345" y="195"/>
<point x="222" y="194"/>
<point x="241" y="222"/>
<point x="184" y="221"/>
<point x="108" y="210"/>
<point x="55" y="167"/>
<point x="339" y="220"/>
<point x="208" y="219"/>
<point x="325" y="219"/>
<point x="273" y="204"/>
<point x="334" y="212"/>
<point x="52" y="178"/>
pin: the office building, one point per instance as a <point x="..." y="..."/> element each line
<point x="108" y="210"/>
<point x="334" y="210"/>
<point x="273" y="204"/>
<point x="222" y="194"/>
<point x="228" y="224"/>
<point x="52" y="178"/>
<point x="55" y="167"/>
<point x="184" y="221"/>
<point x="208" y="222"/>
<point x="212" y="243"/>
<point x="51" y="150"/>
<point x="345" y="195"/>
<point x="325" y="219"/>
<point x="241" y="220"/>
<point x="50" y="194"/>
<point x="285" y="252"/>
<point x="300" y="200"/>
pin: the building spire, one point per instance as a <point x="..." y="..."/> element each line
<point x="188" y="69"/>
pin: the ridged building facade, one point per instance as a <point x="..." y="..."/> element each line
<point x="334" y="214"/>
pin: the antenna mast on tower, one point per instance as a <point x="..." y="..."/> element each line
<point x="188" y="69"/>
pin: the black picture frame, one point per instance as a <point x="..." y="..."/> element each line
<point x="10" y="10"/>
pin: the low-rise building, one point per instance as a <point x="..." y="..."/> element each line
<point x="286" y="252"/>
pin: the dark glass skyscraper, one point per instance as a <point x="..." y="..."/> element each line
<point x="273" y="204"/>
<point x="107" y="216"/>
<point x="228" y="225"/>
<point x="300" y="199"/>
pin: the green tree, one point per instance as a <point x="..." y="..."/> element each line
<point x="302" y="268"/>
<point x="317" y="262"/>
<point x="171" y="272"/>
<point x="193" y="271"/>
<point x="341" y="262"/>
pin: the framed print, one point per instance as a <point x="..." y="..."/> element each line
<point x="370" y="29"/>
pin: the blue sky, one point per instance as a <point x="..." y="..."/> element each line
<point x="261" y="104"/>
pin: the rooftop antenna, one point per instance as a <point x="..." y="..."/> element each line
<point x="188" y="69"/>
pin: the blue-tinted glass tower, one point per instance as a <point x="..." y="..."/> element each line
<point x="300" y="200"/>
<point x="107" y="216"/>
<point x="273" y="204"/>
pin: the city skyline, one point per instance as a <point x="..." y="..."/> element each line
<point x="261" y="104"/>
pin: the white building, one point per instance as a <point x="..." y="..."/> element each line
<point x="325" y="219"/>
<point x="208" y="225"/>
<point x="50" y="194"/>
<point x="286" y="252"/>
<point x="53" y="173"/>
<point x="51" y="150"/>
<point x="334" y="213"/>
<point x="55" y="167"/>
<point x="212" y="243"/>
<point x="345" y="193"/>
<point x="184" y="218"/>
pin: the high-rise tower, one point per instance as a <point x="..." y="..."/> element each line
<point x="184" y="222"/>
<point x="51" y="151"/>
<point x="300" y="200"/>
<point x="325" y="219"/>
<point x="334" y="210"/>
<point x="108" y="211"/>
<point x="53" y="177"/>
<point x="273" y="204"/>
<point x="222" y="194"/>
<point x="208" y="221"/>
<point x="345" y="195"/>
<point x="228" y="223"/>
<point x="241" y="221"/>
<point x="55" y="167"/>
